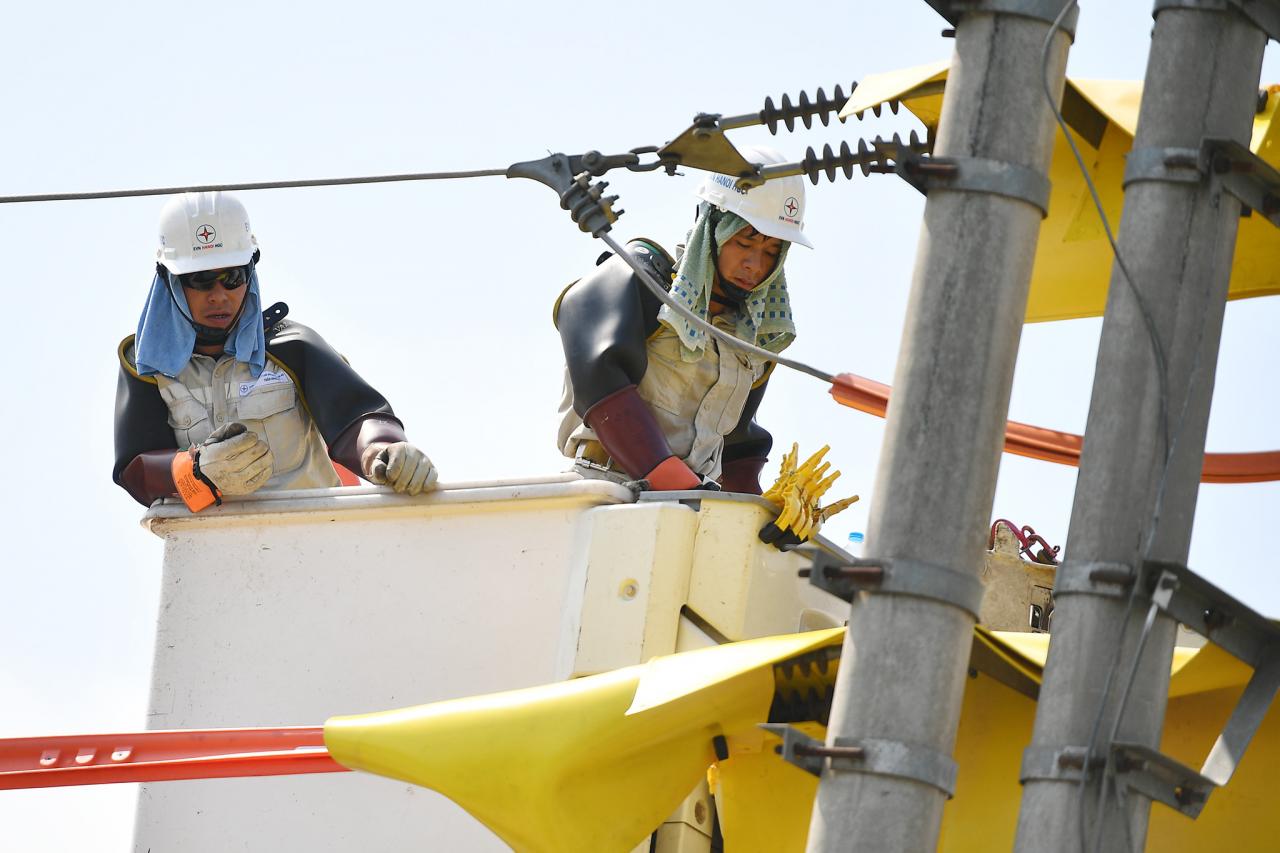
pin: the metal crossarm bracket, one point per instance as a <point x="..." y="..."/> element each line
<point x="1213" y="613"/>
<point x="1161" y="778"/>
<point x="1245" y="175"/>
<point x="877" y="756"/>
<point x="975" y="174"/>
<point x="1263" y="14"/>
<point x="896" y="576"/>
<point x="1040" y="10"/>
<point x="1190" y="599"/>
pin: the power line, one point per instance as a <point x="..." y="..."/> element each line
<point x="260" y="185"/>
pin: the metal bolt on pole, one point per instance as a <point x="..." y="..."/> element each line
<point x="1177" y="236"/>
<point x="904" y="662"/>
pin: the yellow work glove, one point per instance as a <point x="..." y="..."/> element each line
<point x="797" y="493"/>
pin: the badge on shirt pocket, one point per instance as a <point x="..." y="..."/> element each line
<point x="265" y="378"/>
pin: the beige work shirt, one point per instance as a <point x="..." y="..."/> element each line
<point x="213" y="391"/>
<point x="695" y="403"/>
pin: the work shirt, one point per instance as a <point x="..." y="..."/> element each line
<point x="308" y="405"/>
<point x="215" y="390"/>
<point x="697" y="404"/>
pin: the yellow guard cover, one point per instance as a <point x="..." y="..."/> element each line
<point x="597" y="763"/>
<point x="593" y="764"/>
<point x="1073" y="261"/>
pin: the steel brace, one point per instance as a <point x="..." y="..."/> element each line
<point x="1186" y="597"/>
<point x="877" y="756"/>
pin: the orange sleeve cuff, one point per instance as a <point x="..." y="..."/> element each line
<point x="195" y="493"/>
<point x="672" y="475"/>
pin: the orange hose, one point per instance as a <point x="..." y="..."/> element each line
<point x="162" y="756"/>
<point x="867" y="395"/>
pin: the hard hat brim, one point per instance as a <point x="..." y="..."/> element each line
<point x="214" y="261"/>
<point x="781" y="230"/>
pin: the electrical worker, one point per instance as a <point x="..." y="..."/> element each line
<point x="650" y="397"/>
<point x="218" y="397"/>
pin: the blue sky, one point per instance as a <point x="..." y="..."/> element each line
<point x="441" y="293"/>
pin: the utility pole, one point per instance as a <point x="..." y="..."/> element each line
<point x="1177" y="236"/>
<point x="906" y="653"/>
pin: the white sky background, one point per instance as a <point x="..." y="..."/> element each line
<point x="440" y="293"/>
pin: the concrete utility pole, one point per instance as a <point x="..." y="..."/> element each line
<point x="1177" y="235"/>
<point x="905" y="658"/>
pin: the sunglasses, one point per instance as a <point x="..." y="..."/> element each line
<point x="231" y="278"/>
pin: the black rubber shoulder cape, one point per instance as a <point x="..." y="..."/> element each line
<point x="335" y="395"/>
<point x="142" y="418"/>
<point x="605" y="319"/>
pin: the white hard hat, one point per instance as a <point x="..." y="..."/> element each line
<point x="775" y="209"/>
<point x="204" y="231"/>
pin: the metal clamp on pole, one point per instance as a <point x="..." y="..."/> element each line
<point x="977" y="175"/>
<point x="877" y="756"/>
<point x="895" y="576"/>
<point x="1056" y="763"/>
<point x="1263" y="14"/>
<point x="1094" y="577"/>
<point x="1245" y="175"/>
<point x="811" y="754"/>
<point x="1173" y="165"/>
<point x="1040" y="10"/>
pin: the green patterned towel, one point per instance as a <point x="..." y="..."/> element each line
<point x="765" y="318"/>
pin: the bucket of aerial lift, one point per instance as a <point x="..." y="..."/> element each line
<point x="1073" y="261"/>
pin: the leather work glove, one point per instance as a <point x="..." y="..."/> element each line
<point x="235" y="460"/>
<point x="231" y="461"/>
<point x="401" y="466"/>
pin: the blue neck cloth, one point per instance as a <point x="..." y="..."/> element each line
<point x="165" y="339"/>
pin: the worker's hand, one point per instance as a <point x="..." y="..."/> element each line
<point x="234" y="459"/>
<point x="403" y="467"/>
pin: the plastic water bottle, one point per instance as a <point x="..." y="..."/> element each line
<point x="855" y="542"/>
